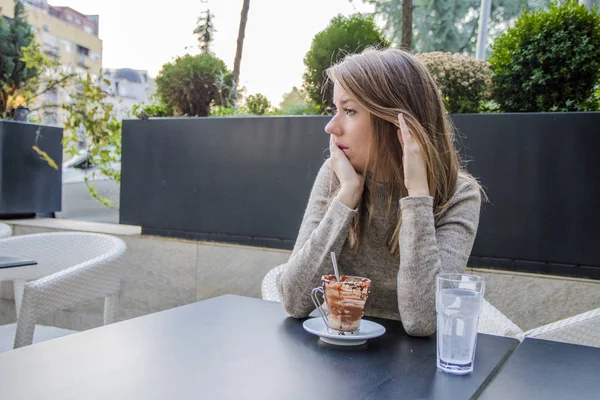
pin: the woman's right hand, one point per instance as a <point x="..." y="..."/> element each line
<point x="350" y="180"/>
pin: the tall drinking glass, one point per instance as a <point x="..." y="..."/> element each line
<point x="458" y="304"/>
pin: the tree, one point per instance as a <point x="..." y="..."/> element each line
<point x="240" y="46"/>
<point x="14" y="38"/>
<point x="191" y="83"/>
<point x="406" y="27"/>
<point x="448" y="25"/>
<point x="25" y="73"/>
<point x="257" y="104"/>
<point x="295" y="103"/>
<point x="343" y="35"/>
<point x="205" y="30"/>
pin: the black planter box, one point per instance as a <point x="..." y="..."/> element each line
<point x="541" y="172"/>
<point x="28" y="185"/>
<point x="247" y="180"/>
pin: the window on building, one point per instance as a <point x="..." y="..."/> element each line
<point x="77" y="21"/>
<point x="69" y="18"/>
<point x="49" y="39"/>
<point x="69" y="47"/>
<point x="88" y="29"/>
<point x="83" y="50"/>
<point x="50" y="44"/>
<point x="47" y="27"/>
<point x="95" y="56"/>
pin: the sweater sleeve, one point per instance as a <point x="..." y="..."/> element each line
<point x="427" y="249"/>
<point x="323" y="230"/>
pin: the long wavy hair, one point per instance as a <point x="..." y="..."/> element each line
<point x="388" y="82"/>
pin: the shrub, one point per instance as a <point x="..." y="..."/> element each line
<point x="295" y="103"/>
<point x="221" y="111"/>
<point x="191" y="83"/>
<point x="549" y="61"/>
<point x="465" y="82"/>
<point x="257" y="104"/>
<point x="151" y="110"/>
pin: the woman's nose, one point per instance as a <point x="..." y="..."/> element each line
<point x="332" y="127"/>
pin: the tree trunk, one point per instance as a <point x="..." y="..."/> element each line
<point x="406" y="25"/>
<point x="240" y="46"/>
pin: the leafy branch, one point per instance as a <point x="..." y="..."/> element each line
<point x="91" y="117"/>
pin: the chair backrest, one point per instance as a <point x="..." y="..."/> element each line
<point x="80" y="280"/>
<point x="5" y="231"/>
<point x="583" y="329"/>
<point x="57" y="251"/>
<point x="268" y="287"/>
<point x="493" y="322"/>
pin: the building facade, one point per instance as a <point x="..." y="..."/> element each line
<point x="63" y="33"/>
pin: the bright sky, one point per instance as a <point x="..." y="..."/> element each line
<point x="144" y="35"/>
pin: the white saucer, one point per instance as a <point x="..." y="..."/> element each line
<point x="368" y="330"/>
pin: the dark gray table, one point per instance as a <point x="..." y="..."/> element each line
<point x="11" y="262"/>
<point x="542" y="369"/>
<point x="234" y="347"/>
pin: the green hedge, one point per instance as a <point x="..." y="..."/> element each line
<point x="549" y="61"/>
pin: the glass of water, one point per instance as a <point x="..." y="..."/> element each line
<point x="458" y="302"/>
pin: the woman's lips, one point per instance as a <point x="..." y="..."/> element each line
<point x="341" y="146"/>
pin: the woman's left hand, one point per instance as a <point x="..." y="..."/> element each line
<point x="415" y="169"/>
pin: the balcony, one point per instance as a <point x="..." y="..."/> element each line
<point x="51" y="50"/>
<point x="82" y="61"/>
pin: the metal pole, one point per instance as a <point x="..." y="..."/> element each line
<point x="482" y="35"/>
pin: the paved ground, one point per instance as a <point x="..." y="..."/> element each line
<point x="78" y="204"/>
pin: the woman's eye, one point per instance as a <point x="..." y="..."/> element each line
<point x="349" y="111"/>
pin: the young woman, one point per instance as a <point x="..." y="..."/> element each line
<point x="392" y="200"/>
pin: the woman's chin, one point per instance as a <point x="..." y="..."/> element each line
<point x="358" y="168"/>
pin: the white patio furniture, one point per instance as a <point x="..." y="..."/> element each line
<point x="5" y="231"/>
<point x="73" y="268"/>
<point x="491" y="321"/>
<point x="583" y="329"/>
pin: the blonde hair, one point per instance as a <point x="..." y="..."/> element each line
<point x="386" y="83"/>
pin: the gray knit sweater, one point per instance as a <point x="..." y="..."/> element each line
<point x="401" y="289"/>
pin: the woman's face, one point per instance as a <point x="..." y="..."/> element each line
<point x="350" y="128"/>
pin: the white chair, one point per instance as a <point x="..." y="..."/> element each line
<point x="5" y="231"/>
<point x="73" y="268"/>
<point x="583" y="329"/>
<point x="491" y="320"/>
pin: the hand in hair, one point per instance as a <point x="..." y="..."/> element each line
<point x="350" y="180"/>
<point x="413" y="162"/>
